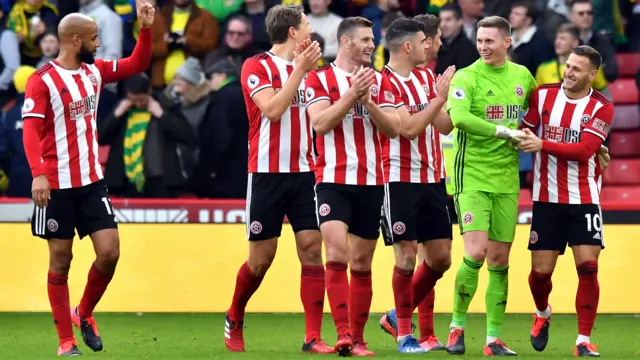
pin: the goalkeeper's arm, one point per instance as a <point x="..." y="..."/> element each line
<point x="464" y="120"/>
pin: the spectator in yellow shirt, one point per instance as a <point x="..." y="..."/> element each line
<point x="552" y="71"/>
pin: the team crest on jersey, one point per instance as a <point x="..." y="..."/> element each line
<point x="374" y="90"/>
<point x="310" y="94"/>
<point x="52" y="225"/>
<point x="585" y="119"/>
<point x="324" y="210"/>
<point x="467" y="218"/>
<point x="253" y="81"/>
<point x="28" y="105"/>
<point x="256" y="227"/>
<point x="519" y="91"/>
<point x="399" y="228"/>
<point x="533" y="237"/>
<point x="458" y="94"/>
<point x="93" y="79"/>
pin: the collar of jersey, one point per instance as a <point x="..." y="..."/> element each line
<point x="279" y="59"/>
<point x="575" y="101"/>
<point x="76" y="71"/>
<point x="493" y="68"/>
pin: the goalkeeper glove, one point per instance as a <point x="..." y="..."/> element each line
<point x="514" y="137"/>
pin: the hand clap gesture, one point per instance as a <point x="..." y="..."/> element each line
<point x="361" y="82"/>
<point x="307" y="55"/>
<point x="444" y="81"/>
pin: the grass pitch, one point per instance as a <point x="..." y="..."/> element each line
<point x="280" y="336"/>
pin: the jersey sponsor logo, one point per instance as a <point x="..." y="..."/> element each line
<point x="358" y="110"/>
<point x="494" y="112"/>
<point x="490" y="93"/>
<point x="533" y="237"/>
<point x="28" y="105"/>
<point x="324" y="210"/>
<point x="52" y="225"/>
<point x="82" y="108"/>
<point x="414" y="109"/>
<point x="600" y="125"/>
<point x="298" y="98"/>
<point x="459" y="94"/>
<point x="503" y="112"/>
<point x="310" y="94"/>
<point x="467" y="218"/>
<point x="560" y="134"/>
<point x="253" y="81"/>
<point x="585" y="119"/>
<point x="399" y="228"/>
<point x="255" y="227"/>
<point x="388" y="96"/>
<point x="519" y="91"/>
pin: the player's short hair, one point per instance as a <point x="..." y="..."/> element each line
<point x="400" y="31"/>
<point x="574" y="2"/>
<point x="570" y="29"/>
<point x="430" y="24"/>
<point x="455" y="9"/>
<point x="496" y="22"/>
<point x="350" y="24"/>
<point x="280" y="19"/>
<point x="137" y="84"/>
<point x="590" y="53"/>
<point x="531" y="11"/>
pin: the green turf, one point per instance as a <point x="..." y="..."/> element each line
<point x="279" y="336"/>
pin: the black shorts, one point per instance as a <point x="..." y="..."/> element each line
<point x="415" y="212"/>
<point x="554" y="226"/>
<point x="272" y="196"/>
<point x="85" y="209"/>
<point x="358" y="206"/>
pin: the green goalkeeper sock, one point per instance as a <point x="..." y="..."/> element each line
<point x="496" y="299"/>
<point x="465" y="287"/>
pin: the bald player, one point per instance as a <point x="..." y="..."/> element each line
<point x="60" y="143"/>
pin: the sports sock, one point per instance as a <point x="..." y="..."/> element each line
<point x="312" y="296"/>
<point x="540" y="285"/>
<point x="588" y="296"/>
<point x="496" y="299"/>
<point x="246" y="285"/>
<point x="403" y="297"/>
<point x="466" y="285"/>
<point x="360" y="295"/>
<point x="58" y="291"/>
<point x="337" y="284"/>
<point x="425" y="316"/>
<point x="424" y="280"/>
<point x="97" y="283"/>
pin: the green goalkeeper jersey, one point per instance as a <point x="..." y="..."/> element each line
<point x="481" y="97"/>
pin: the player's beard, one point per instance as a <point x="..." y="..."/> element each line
<point x="85" y="55"/>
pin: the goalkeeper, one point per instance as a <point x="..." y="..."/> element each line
<point x="485" y="102"/>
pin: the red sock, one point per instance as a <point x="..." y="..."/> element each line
<point x="360" y="293"/>
<point x="403" y="297"/>
<point x="58" y="291"/>
<point x="424" y="280"/>
<point x="587" y="297"/>
<point x="246" y="285"/>
<point x="97" y="283"/>
<point x="425" y="316"/>
<point x="540" y="285"/>
<point x="312" y="296"/>
<point x="337" y="284"/>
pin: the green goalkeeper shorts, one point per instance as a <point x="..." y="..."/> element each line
<point x="492" y="212"/>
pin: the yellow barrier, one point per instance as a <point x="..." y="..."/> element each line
<point x="192" y="268"/>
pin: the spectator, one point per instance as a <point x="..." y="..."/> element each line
<point x="381" y="54"/>
<point x="190" y="90"/>
<point x="376" y="12"/>
<point x="501" y="8"/>
<point x="12" y="157"/>
<point x="582" y="17"/>
<point x="556" y="14"/>
<point x="189" y="32"/>
<point x="237" y="45"/>
<point x="50" y="46"/>
<point x="552" y="71"/>
<point x="456" y="48"/>
<point x="143" y="132"/>
<point x="220" y="9"/>
<point x="66" y="7"/>
<point x="30" y="19"/>
<point x="256" y="12"/>
<point x="109" y="28"/>
<point x="9" y="62"/>
<point x="222" y="170"/>
<point x="325" y="23"/>
<point x="530" y="46"/>
<point x="472" y="12"/>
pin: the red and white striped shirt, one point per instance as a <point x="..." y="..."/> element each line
<point x="432" y="94"/>
<point x="282" y="146"/>
<point x="417" y="160"/>
<point x="64" y="143"/>
<point x="350" y="153"/>
<point x="559" y="119"/>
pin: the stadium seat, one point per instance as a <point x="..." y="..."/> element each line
<point x="624" y="143"/>
<point x="628" y="64"/>
<point x="525" y="195"/>
<point x="622" y="172"/>
<point x="626" y="117"/>
<point x="620" y="194"/>
<point x="103" y="154"/>
<point x="624" y="91"/>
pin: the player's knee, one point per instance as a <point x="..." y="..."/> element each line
<point x="260" y="262"/>
<point x="405" y="254"/>
<point x="477" y="253"/>
<point x="360" y="259"/>
<point x="108" y="257"/>
<point x="60" y="262"/>
<point x="310" y="248"/>
<point x="440" y="262"/>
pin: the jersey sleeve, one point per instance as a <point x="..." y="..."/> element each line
<point x="314" y="91"/>
<point x="460" y="91"/>
<point x="36" y="98"/>
<point x="531" y="117"/>
<point x="254" y="77"/>
<point x="600" y="123"/>
<point x="388" y="95"/>
<point x="117" y="70"/>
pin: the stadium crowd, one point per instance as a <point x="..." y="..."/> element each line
<point x="181" y="129"/>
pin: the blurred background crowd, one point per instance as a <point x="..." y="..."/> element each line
<point x="180" y="130"/>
